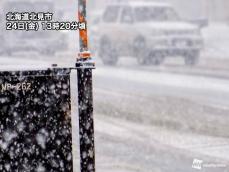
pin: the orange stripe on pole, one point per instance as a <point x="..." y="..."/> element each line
<point x="83" y="37"/>
<point x="83" y="33"/>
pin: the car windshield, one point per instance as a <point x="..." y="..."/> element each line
<point x="144" y="14"/>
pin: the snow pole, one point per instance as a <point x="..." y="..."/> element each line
<point x="84" y="65"/>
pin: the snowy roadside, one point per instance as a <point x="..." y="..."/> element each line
<point x="132" y="105"/>
<point x="199" y="89"/>
<point x="18" y="63"/>
<point x="167" y="112"/>
<point x="172" y="80"/>
<point x="189" y="142"/>
<point x="124" y="146"/>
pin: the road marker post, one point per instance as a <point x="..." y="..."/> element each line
<point x="85" y="65"/>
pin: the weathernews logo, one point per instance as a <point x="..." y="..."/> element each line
<point x="199" y="165"/>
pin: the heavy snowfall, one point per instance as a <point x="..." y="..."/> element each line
<point x="154" y="111"/>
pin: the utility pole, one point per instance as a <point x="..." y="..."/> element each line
<point x="84" y="65"/>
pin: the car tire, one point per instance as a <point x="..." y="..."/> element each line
<point x="156" y="58"/>
<point x="107" y="52"/>
<point x="191" y="58"/>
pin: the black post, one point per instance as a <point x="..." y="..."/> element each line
<point x="86" y="124"/>
<point x="84" y="66"/>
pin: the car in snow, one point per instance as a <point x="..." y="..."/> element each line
<point x="42" y="42"/>
<point x="149" y="31"/>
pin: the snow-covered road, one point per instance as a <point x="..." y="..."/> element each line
<point x="153" y="121"/>
<point x="179" y="117"/>
<point x="127" y="146"/>
<point x="200" y="89"/>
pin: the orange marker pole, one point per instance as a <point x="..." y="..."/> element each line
<point x="84" y="65"/>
